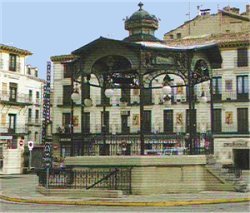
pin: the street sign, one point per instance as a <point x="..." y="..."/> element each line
<point x="21" y="144"/>
<point x="47" y="155"/>
<point x="30" y="145"/>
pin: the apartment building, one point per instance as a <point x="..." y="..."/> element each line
<point x="20" y="104"/>
<point x="230" y="30"/>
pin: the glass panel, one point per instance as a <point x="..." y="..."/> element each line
<point x="239" y="84"/>
<point x="245" y="88"/>
<point x="219" y="85"/>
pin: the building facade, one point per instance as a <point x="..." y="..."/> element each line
<point x="230" y="30"/>
<point x="21" y="106"/>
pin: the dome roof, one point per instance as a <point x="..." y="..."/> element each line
<point x="142" y="14"/>
<point x="141" y="18"/>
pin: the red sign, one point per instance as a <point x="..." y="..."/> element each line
<point x="21" y="143"/>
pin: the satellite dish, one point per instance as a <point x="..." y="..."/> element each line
<point x="87" y="102"/>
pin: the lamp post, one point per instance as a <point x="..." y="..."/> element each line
<point x="75" y="97"/>
<point x="108" y="93"/>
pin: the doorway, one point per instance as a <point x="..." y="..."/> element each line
<point x="241" y="158"/>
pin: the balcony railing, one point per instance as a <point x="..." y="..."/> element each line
<point x="231" y="96"/>
<point x="32" y="121"/>
<point x="5" y="96"/>
<point x="17" y="130"/>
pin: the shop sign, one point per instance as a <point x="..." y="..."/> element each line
<point x="236" y="144"/>
<point x="7" y="137"/>
<point x="65" y="139"/>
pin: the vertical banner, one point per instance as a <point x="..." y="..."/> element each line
<point x="46" y="102"/>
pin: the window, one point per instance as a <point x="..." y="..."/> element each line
<point x="86" y="126"/>
<point x="105" y="124"/>
<point x="217" y="120"/>
<point x="13" y="92"/>
<point x="29" y="70"/>
<point x="242" y="57"/>
<point x="217" y="88"/>
<point x="147" y="121"/>
<point x="242" y="118"/>
<point x="36" y="73"/>
<point x="242" y="87"/>
<point x="178" y="35"/>
<point x="30" y="95"/>
<point x="147" y="96"/>
<point x="168" y="121"/>
<point x="67" y="89"/>
<point x="12" y="62"/>
<point x="171" y="36"/>
<point x="124" y="123"/>
<point x="125" y="95"/>
<point x="36" y="136"/>
<point x="66" y="121"/>
<point x="29" y="115"/>
<point x="37" y="115"/>
<point x="12" y="123"/>
<point x="37" y="95"/>
<point x="66" y="71"/>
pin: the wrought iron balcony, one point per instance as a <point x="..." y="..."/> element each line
<point x="18" y="99"/>
<point x="12" y="131"/>
<point x="34" y="122"/>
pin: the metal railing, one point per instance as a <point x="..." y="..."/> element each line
<point x="17" y="130"/>
<point x="19" y="98"/>
<point x="87" y="178"/>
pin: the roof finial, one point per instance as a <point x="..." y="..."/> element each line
<point x="140" y="5"/>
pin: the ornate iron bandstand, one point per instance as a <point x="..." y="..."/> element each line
<point x="126" y="65"/>
<point x="133" y="64"/>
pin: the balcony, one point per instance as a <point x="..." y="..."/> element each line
<point x="232" y="130"/>
<point x="19" y="100"/>
<point x="5" y="130"/>
<point x="34" y="122"/>
<point x="63" y="102"/>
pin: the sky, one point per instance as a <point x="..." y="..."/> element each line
<point x="57" y="27"/>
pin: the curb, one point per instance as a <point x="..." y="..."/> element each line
<point x="111" y="203"/>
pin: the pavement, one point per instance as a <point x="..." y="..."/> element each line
<point x="22" y="188"/>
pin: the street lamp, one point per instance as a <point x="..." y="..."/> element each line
<point x="75" y="96"/>
<point x="203" y="97"/>
<point x="109" y="93"/>
<point x="166" y="90"/>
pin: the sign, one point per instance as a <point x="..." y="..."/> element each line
<point x="21" y="143"/>
<point x="6" y="137"/>
<point x="30" y="145"/>
<point x="47" y="155"/>
<point x="236" y="144"/>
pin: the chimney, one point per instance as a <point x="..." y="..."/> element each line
<point x="232" y="10"/>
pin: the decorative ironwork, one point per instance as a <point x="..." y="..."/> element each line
<point x="88" y="178"/>
<point x="201" y="72"/>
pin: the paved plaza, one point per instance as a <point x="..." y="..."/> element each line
<point x="22" y="188"/>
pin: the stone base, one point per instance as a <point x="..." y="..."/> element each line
<point x="153" y="174"/>
<point x="79" y="193"/>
